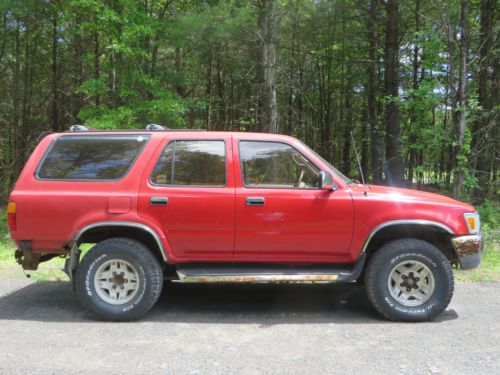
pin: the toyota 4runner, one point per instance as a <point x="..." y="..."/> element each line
<point x="205" y="207"/>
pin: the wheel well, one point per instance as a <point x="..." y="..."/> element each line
<point x="101" y="233"/>
<point x="429" y="233"/>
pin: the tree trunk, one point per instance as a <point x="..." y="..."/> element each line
<point x="346" y="152"/>
<point x="372" y="84"/>
<point x="394" y="161"/>
<point x="267" y="115"/>
<point x="413" y="139"/>
<point x="55" y="78"/>
<point x="15" y="137"/>
<point x="460" y="113"/>
<point x="481" y="132"/>
<point x="97" y="66"/>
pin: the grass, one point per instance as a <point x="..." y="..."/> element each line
<point x="489" y="269"/>
<point x="490" y="228"/>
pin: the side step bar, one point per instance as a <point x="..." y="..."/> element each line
<point x="258" y="273"/>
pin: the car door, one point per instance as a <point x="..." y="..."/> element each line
<point x="281" y="213"/>
<point x="189" y="192"/>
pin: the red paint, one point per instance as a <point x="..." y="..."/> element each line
<point x="198" y="221"/>
<point x="11" y="221"/>
<point x="214" y="223"/>
<point x="119" y="205"/>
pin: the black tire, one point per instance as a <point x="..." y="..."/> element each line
<point x="148" y="270"/>
<point x="393" y="254"/>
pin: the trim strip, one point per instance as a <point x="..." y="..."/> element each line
<point x="124" y="224"/>
<point x="257" y="278"/>
<point x="405" y="222"/>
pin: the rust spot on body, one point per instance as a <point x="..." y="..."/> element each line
<point x="467" y="245"/>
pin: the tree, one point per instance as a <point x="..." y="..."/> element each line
<point x="459" y="113"/>
<point x="372" y="85"/>
<point x="416" y="82"/>
<point x="267" y="20"/>
<point x="483" y="137"/>
<point x="394" y="161"/>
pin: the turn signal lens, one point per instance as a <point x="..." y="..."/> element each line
<point x="473" y="222"/>
<point x="11" y="208"/>
<point x="11" y="216"/>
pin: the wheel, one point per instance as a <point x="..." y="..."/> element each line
<point x="119" y="279"/>
<point x="409" y="280"/>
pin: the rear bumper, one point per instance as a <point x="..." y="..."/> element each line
<point x="469" y="250"/>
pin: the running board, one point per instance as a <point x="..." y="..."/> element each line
<point x="259" y="273"/>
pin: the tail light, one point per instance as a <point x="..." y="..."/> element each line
<point x="11" y="216"/>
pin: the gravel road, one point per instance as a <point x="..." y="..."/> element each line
<point x="246" y="329"/>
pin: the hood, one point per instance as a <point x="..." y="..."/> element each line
<point x="409" y="195"/>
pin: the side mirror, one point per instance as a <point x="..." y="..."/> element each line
<point x="325" y="181"/>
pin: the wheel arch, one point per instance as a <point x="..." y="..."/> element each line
<point x="433" y="232"/>
<point x="100" y="231"/>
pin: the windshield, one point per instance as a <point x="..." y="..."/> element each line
<point x="344" y="178"/>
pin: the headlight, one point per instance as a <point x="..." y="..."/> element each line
<point x="473" y="222"/>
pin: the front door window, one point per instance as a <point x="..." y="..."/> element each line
<point x="276" y="165"/>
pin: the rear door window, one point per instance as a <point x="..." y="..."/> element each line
<point x="91" y="158"/>
<point x="192" y="163"/>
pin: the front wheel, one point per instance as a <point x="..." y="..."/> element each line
<point x="409" y="280"/>
<point x="119" y="279"/>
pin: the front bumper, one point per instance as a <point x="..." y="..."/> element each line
<point x="469" y="250"/>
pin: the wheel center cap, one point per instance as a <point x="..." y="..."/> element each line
<point x="118" y="279"/>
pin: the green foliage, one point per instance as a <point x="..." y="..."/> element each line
<point x="167" y="110"/>
<point x="126" y="63"/>
<point x="489" y="212"/>
<point x="490" y="215"/>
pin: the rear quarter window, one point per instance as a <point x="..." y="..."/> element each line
<point x="90" y="158"/>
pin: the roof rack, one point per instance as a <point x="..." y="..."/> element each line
<point x="149" y="127"/>
<point x="78" y="128"/>
<point x="155" y="127"/>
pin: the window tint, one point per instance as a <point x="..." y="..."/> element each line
<point x="192" y="163"/>
<point x="273" y="164"/>
<point x="91" y="157"/>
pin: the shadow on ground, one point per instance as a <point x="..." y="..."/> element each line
<point x="54" y="301"/>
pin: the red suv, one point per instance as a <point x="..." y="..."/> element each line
<point x="195" y="206"/>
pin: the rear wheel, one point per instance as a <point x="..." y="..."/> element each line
<point x="409" y="280"/>
<point x="119" y="279"/>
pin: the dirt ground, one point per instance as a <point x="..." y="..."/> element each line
<point x="246" y="329"/>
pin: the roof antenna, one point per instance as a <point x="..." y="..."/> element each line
<point x="359" y="165"/>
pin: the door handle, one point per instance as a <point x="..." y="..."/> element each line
<point x="158" y="201"/>
<point x="255" y="201"/>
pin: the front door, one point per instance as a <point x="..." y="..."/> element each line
<point x="190" y="194"/>
<point x="281" y="213"/>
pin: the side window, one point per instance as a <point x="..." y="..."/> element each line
<point x="88" y="158"/>
<point x="191" y="163"/>
<point x="274" y="164"/>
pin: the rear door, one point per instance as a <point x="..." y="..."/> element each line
<point x="188" y="190"/>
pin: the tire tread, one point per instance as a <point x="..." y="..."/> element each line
<point x="145" y="257"/>
<point x="397" y="247"/>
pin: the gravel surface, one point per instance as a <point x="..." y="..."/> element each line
<point x="246" y="329"/>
